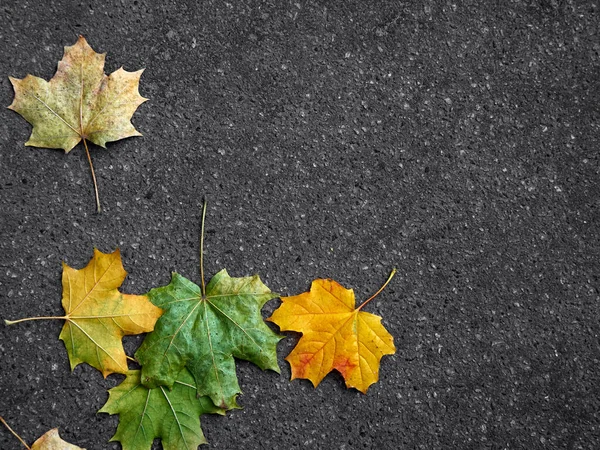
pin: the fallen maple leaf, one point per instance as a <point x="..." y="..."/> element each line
<point x="52" y="441"/>
<point x="335" y="335"/>
<point x="80" y="102"/>
<point x="48" y="441"/>
<point x="204" y="332"/>
<point x="204" y="328"/>
<point x="171" y="415"/>
<point x="98" y="315"/>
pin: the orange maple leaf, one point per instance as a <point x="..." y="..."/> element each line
<point x="335" y="335"/>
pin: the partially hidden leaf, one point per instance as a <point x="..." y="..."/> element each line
<point x="52" y="441"/>
<point x="48" y="441"/>
<point x="172" y="415"/>
<point x="79" y="102"/>
<point x="335" y="335"/>
<point x="205" y="332"/>
<point x="98" y="315"/>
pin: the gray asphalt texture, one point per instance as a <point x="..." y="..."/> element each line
<point x="455" y="141"/>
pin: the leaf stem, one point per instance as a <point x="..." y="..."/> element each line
<point x="15" y="434"/>
<point x="379" y="291"/>
<point x="12" y="322"/>
<point x="87" y="151"/>
<point x="202" y="249"/>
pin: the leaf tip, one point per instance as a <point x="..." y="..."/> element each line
<point x="362" y="391"/>
<point x="14" y="81"/>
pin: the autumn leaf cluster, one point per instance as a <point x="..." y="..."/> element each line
<point x="194" y="333"/>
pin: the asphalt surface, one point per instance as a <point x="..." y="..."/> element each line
<point x="456" y="142"/>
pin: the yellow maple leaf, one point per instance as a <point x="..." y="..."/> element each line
<point x="335" y="335"/>
<point x="52" y="441"/>
<point x="98" y="315"/>
<point x="80" y="102"/>
<point x="48" y="441"/>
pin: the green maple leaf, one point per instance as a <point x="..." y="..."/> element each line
<point x="205" y="332"/>
<point x="171" y="415"/>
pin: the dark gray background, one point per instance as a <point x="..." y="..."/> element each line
<point x="456" y="141"/>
